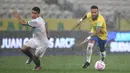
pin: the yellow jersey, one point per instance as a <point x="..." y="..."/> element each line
<point x="99" y="22"/>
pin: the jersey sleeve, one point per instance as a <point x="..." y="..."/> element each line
<point x="33" y="23"/>
<point x="88" y="15"/>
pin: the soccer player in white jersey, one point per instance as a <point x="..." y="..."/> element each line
<point x="39" y="40"/>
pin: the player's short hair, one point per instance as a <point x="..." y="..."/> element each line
<point x="94" y="7"/>
<point x="37" y="9"/>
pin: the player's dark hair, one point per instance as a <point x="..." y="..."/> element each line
<point x="94" y="7"/>
<point x="37" y="9"/>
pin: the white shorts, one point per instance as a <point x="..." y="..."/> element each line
<point x="38" y="45"/>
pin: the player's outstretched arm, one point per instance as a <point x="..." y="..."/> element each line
<point x="16" y="14"/>
<point x="98" y="28"/>
<point x="79" y="22"/>
<point x="84" y="17"/>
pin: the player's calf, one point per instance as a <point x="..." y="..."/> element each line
<point x="36" y="60"/>
<point x="103" y="55"/>
<point x="26" y="51"/>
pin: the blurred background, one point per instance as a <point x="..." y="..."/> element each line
<point x="61" y="16"/>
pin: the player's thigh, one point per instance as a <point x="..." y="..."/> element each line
<point x="93" y="40"/>
<point x="25" y="47"/>
<point x="102" y="45"/>
<point x="30" y="43"/>
<point x="40" y="50"/>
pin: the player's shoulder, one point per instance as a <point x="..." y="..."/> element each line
<point x="88" y="14"/>
<point x="38" y="19"/>
<point x="34" y="20"/>
<point x="100" y="17"/>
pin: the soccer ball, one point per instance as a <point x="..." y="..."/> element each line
<point x="99" y="65"/>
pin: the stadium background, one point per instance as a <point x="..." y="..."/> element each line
<point x="61" y="16"/>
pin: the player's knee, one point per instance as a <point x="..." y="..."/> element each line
<point x="102" y="49"/>
<point x="90" y="45"/>
<point x="103" y="54"/>
<point x="25" y="48"/>
<point x="39" y="52"/>
<point x="35" y="57"/>
<point x="92" y="41"/>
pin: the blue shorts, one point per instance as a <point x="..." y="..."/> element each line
<point x="101" y="43"/>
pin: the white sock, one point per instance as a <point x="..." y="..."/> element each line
<point x="89" y="52"/>
<point x="102" y="55"/>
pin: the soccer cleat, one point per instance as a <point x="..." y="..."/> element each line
<point x="37" y="68"/>
<point x="86" y="65"/>
<point x="29" y="61"/>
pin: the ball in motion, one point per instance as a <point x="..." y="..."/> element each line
<point x="99" y="65"/>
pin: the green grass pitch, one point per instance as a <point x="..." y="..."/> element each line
<point x="115" y="63"/>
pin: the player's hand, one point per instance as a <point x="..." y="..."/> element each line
<point x="86" y="40"/>
<point x="89" y="37"/>
<point x="15" y="13"/>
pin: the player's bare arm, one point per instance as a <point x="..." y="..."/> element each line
<point x="98" y="28"/>
<point x="17" y="16"/>
<point x="80" y="21"/>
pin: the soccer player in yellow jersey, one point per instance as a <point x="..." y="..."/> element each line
<point x="98" y="33"/>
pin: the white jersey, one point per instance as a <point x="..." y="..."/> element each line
<point x="39" y="30"/>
